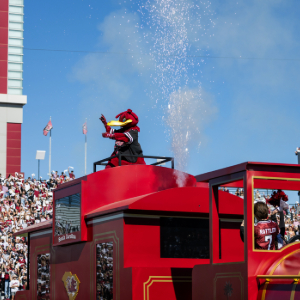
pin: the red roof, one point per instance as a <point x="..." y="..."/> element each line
<point x="171" y="200"/>
<point x="249" y="165"/>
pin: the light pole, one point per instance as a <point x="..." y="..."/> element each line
<point x="40" y="154"/>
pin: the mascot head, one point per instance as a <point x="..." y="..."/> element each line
<point x="127" y="119"/>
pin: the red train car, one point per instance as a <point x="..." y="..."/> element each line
<point x="131" y="232"/>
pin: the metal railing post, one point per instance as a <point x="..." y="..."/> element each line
<point x="119" y="156"/>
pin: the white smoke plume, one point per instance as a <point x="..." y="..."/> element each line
<point x="176" y="24"/>
<point x="188" y="112"/>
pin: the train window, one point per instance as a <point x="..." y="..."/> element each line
<point x="67" y="214"/>
<point x="283" y="209"/>
<point x="184" y="238"/>
<point x="104" y="271"/>
<point x="43" y="276"/>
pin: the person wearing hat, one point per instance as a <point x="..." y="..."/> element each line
<point x="126" y="138"/>
<point x="14" y="285"/>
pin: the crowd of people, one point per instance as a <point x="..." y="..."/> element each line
<point x="23" y="203"/>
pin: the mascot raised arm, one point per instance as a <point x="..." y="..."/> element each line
<point x="127" y="143"/>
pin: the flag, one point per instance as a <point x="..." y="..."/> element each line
<point x="84" y="128"/>
<point x="47" y="128"/>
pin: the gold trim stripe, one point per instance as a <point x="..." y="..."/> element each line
<point x="153" y="279"/>
<point x="263" y="296"/>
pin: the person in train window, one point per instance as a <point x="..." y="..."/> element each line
<point x="265" y="231"/>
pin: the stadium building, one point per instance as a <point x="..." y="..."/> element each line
<point x="12" y="99"/>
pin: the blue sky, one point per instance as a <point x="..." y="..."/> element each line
<point x="241" y="105"/>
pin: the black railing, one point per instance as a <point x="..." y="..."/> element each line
<point x="119" y="156"/>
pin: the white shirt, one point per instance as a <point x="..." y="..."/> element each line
<point x="14" y="282"/>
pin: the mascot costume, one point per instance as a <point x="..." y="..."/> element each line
<point x="126" y="138"/>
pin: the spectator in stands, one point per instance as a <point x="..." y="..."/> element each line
<point x="238" y="193"/>
<point x="71" y="175"/>
<point x="23" y="203"/>
<point x="14" y="285"/>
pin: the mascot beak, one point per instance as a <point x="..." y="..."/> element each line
<point x="118" y="123"/>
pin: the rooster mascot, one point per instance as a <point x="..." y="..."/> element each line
<point x="126" y="138"/>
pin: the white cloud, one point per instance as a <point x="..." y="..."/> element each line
<point x="114" y="71"/>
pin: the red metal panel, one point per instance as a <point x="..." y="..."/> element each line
<point x="232" y="247"/>
<point x="230" y="204"/>
<point x="162" y="284"/>
<point x="3" y="84"/>
<point x="13" y="160"/>
<point x="142" y="246"/>
<point x="132" y="181"/>
<point x="4" y="5"/>
<point x="13" y="148"/>
<point x="168" y="200"/>
<point x="15" y="135"/>
<point x="13" y="143"/>
<point x="236" y="184"/>
<point x="188" y="199"/>
<point x="209" y="281"/>
<point x="3" y="35"/>
<point x="276" y="184"/>
<point x="3" y="68"/>
<point x="3" y="45"/>
<point x="14" y="127"/>
<point x="4" y="19"/>
<point x="3" y="52"/>
<point x="12" y="169"/>
<point x="14" y="152"/>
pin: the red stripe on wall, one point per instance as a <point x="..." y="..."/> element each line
<point x="4" y="5"/>
<point x="3" y="45"/>
<point x="13" y="148"/>
<point x="3" y="68"/>
<point x="3" y="18"/>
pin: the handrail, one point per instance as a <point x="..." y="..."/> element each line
<point x="119" y="156"/>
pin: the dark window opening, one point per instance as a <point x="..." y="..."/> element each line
<point x="43" y="276"/>
<point x="184" y="238"/>
<point x="104" y="271"/>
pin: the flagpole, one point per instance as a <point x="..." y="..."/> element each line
<point x="50" y="153"/>
<point x="85" y="151"/>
